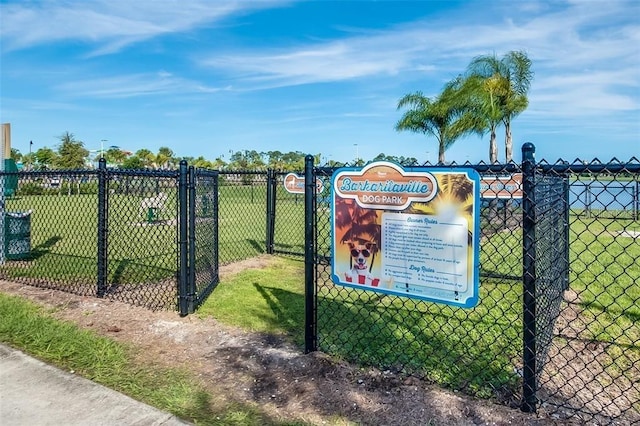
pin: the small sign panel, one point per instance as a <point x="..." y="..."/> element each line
<point x="504" y="187"/>
<point x="407" y="232"/>
<point x="294" y="184"/>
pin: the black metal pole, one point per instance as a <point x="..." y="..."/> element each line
<point x="310" y="338"/>
<point x="216" y="228"/>
<point x="270" y="211"/>
<point x="636" y="203"/>
<point x="529" y="385"/>
<point x="102" y="228"/>
<point x="183" y="243"/>
<point x="274" y="196"/>
<point x="567" y="225"/>
<point x="191" y="285"/>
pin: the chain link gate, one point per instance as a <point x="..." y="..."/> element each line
<point x="556" y="330"/>
<point x="202" y="263"/>
<point x="144" y="237"/>
<point x="587" y="297"/>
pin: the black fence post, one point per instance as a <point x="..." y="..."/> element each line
<point x="529" y="386"/>
<point x="216" y="229"/>
<point x="567" y="226"/>
<point x="102" y="228"/>
<point x="271" y="210"/>
<point x="310" y="338"/>
<point x="183" y="242"/>
<point x="636" y="200"/>
<point x="191" y="284"/>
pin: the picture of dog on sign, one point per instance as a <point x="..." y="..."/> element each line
<point x="362" y="257"/>
<point x="358" y="246"/>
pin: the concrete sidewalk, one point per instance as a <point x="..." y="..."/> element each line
<point x="34" y="393"/>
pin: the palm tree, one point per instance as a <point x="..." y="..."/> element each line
<point x="164" y="158"/>
<point x="447" y="116"/>
<point x="507" y="82"/>
<point x="482" y="98"/>
<point x="146" y="158"/>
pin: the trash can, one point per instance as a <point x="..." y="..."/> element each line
<point x="152" y="214"/>
<point x="17" y="235"/>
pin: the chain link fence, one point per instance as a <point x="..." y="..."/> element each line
<point x="49" y="223"/>
<point x="469" y="350"/>
<point x="242" y="215"/>
<point x="557" y="326"/>
<point x="203" y="235"/>
<point x="589" y="340"/>
<point x="100" y="232"/>
<point x="288" y="205"/>
<point x="556" y="329"/>
<point x="137" y="236"/>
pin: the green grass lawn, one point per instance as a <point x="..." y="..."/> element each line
<point x="64" y="240"/>
<point x="475" y="350"/>
<point x="64" y="234"/>
<point x="33" y="330"/>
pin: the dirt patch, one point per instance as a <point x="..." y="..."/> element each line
<point x="581" y="374"/>
<point x="252" y="368"/>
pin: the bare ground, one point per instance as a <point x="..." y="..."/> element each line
<point x="236" y="366"/>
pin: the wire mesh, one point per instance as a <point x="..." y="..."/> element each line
<point x="142" y="251"/>
<point x="205" y="263"/>
<point x="592" y="368"/>
<point x="474" y="350"/>
<point x="242" y="222"/>
<point x="289" y="216"/>
<point x="62" y="251"/>
<point x="57" y="214"/>
<point x="587" y="299"/>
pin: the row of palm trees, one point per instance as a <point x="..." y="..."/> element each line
<point x="491" y="92"/>
<point x="71" y="154"/>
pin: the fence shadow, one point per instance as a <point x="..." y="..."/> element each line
<point x="288" y="310"/>
<point x="44" y="248"/>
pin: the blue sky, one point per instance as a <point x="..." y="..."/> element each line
<point x="211" y="77"/>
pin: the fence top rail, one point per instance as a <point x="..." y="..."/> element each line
<point x="206" y="172"/>
<point x="45" y="173"/>
<point x="85" y="172"/>
<point x="144" y="172"/>
<point x="243" y="172"/>
<point x="594" y="167"/>
<point x="480" y="168"/>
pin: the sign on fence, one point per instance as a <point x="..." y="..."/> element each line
<point x="507" y="187"/>
<point x="294" y="184"/>
<point x="412" y="233"/>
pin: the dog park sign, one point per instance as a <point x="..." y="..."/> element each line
<point x="412" y="232"/>
<point x="294" y="184"/>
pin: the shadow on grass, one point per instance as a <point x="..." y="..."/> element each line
<point x="474" y="353"/>
<point x="258" y="246"/>
<point x="466" y="354"/>
<point x="44" y="248"/>
<point x="287" y="308"/>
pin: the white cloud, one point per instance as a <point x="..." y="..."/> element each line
<point x="134" y="85"/>
<point x="583" y="54"/>
<point x="111" y="25"/>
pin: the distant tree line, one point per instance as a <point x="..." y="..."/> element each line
<point x="71" y="154"/>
